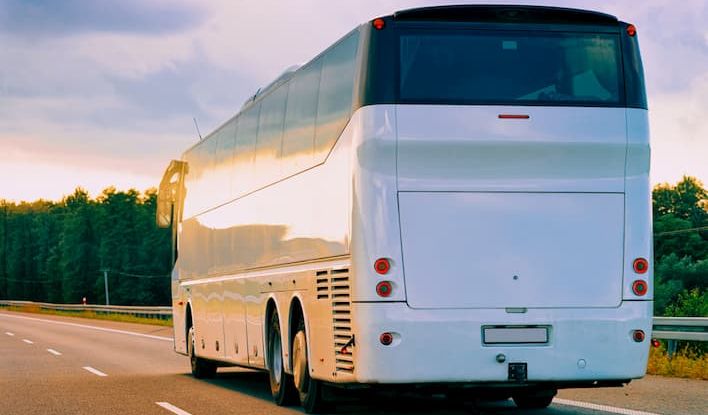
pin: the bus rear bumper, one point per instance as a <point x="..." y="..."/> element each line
<point x="446" y="345"/>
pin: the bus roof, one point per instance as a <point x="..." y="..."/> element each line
<point x="505" y="14"/>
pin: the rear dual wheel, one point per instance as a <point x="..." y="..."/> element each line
<point x="281" y="384"/>
<point x="309" y="389"/>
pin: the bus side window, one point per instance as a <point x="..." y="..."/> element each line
<point x="270" y="135"/>
<point x="335" y="95"/>
<point x="300" y="116"/>
<point x="225" y="146"/>
<point x="245" y="151"/>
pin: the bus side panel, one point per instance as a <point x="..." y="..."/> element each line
<point x="249" y="250"/>
<point x="638" y="211"/>
<point x="255" y="316"/>
<point x="179" y="318"/>
<point x="375" y="224"/>
<point x="207" y="300"/>
<point x="234" y="315"/>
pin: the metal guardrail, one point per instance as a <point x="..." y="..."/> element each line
<point x="681" y="328"/>
<point x="162" y="313"/>
<point x="673" y="329"/>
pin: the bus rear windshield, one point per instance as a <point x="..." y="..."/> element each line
<point x="510" y="68"/>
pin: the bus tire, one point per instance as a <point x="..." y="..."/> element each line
<point x="201" y="368"/>
<point x="281" y="384"/>
<point x="309" y="389"/>
<point x="534" y="401"/>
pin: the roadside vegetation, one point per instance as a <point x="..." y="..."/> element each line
<point x="56" y="252"/>
<point x="685" y="363"/>
<point x="125" y="318"/>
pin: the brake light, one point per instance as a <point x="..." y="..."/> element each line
<point x="631" y="30"/>
<point x="384" y="288"/>
<point x="379" y="23"/>
<point x="638" y="336"/>
<point x="639" y="287"/>
<point x="386" y="338"/>
<point x="382" y="266"/>
<point x="640" y="265"/>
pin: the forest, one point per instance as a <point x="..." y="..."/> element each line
<point x="58" y="251"/>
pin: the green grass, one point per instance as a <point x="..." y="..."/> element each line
<point x="93" y="315"/>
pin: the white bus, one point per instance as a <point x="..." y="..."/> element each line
<point x="455" y="197"/>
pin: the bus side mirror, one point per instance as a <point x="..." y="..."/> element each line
<point x="164" y="214"/>
<point x="168" y="194"/>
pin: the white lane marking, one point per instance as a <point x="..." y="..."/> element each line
<point x="130" y="333"/>
<point x="604" y="408"/>
<point x="9" y="334"/>
<point x="94" y="371"/>
<point x="54" y="352"/>
<point x="28" y="341"/>
<point x="173" y="408"/>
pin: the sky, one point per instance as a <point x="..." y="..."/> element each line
<point x="98" y="93"/>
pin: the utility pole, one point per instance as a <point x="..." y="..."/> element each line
<point x="105" y="284"/>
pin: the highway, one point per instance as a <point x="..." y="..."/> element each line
<point x="62" y="365"/>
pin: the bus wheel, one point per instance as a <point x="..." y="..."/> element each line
<point x="201" y="368"/>
<point x="281" y="384"/>
<point x="310" y="389"/>
<point x="534" y="401"/>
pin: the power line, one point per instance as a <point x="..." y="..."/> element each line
<point x="129" y="275"/>
<point x="30" y="281"/>
<point x="700" y="228"/>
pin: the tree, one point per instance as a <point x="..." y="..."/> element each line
<point x="680" y="242"/>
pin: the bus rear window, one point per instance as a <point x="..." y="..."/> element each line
<point x="510" y="68"/>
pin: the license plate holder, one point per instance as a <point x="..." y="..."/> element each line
<point x="495" y="335"/>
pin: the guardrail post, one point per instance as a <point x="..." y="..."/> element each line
<point x="671" y="347"/>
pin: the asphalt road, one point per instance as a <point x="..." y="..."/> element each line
<point x="60" y="365"/>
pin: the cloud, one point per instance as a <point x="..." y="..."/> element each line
<point x="680" y="132"/>
<point x="40" y="18"/>
<point x="112" y="86"/>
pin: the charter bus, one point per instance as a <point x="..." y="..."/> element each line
<point x="448" y="197"/>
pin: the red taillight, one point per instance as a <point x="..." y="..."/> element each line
<point x="639" y="287"/>
<point x="382" y="266"/>
<point x="384" y="288"/>
<point x="638" y="336"/>
<point x="379" y="23"/>
<point x="640" y="265"/>
<point x="631" y="30"/>
<point x="386" y="338"/>
<point x="655" y="343"/>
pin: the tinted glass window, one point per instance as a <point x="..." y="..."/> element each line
<point x="245" y="150"/>
<point x="225" y="145"/>
<point x="300" y="115"/>
<point x="270" y="134"/>
<point x="200" y="160"/>
<point x="336" y="93"/>
<point x="510" y="68"/>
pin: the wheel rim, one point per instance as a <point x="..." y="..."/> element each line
<point x="300" y="361"/>
<point x="277" y="353"/>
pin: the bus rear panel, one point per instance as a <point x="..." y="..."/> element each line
<point x="505" y="178"/>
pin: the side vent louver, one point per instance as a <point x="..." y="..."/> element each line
<point x="322" y="285"/>
<point x="335" y="286"/>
